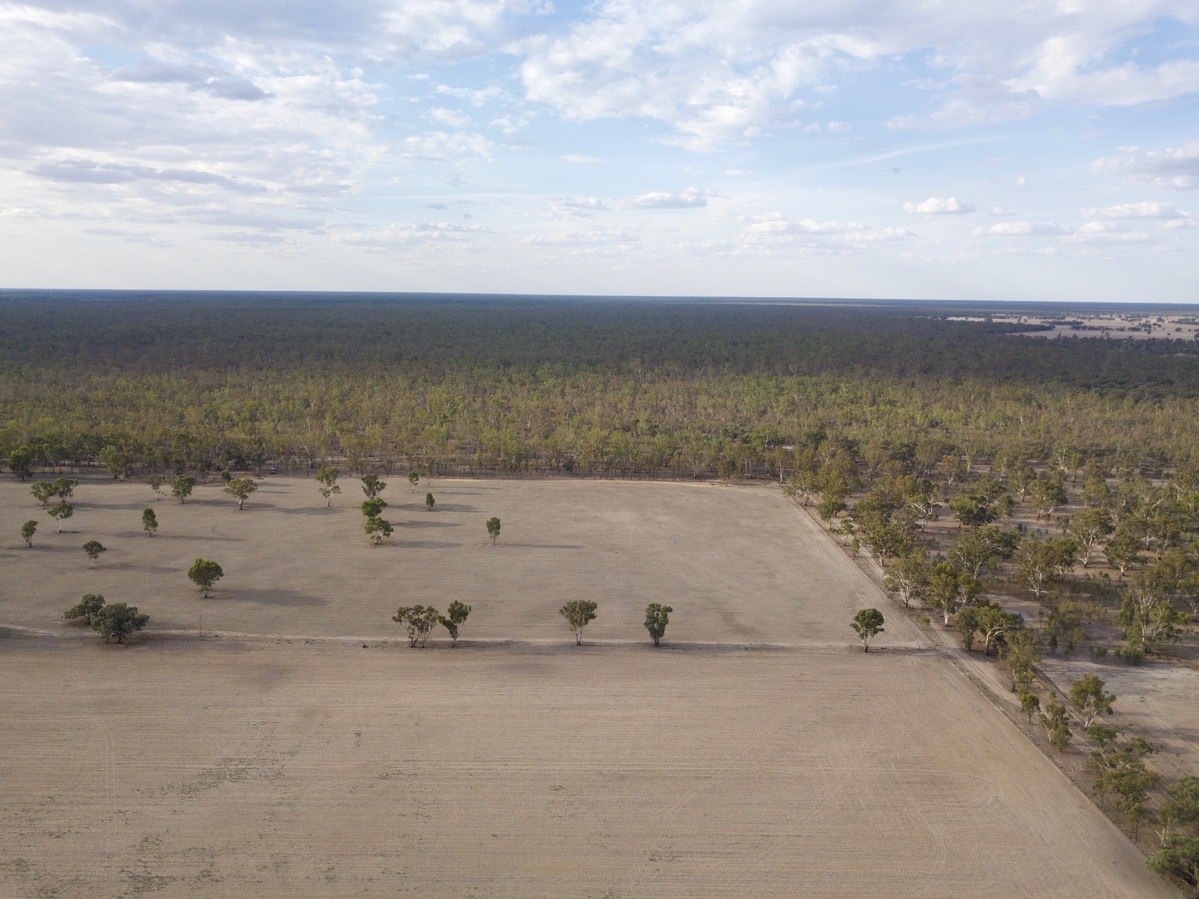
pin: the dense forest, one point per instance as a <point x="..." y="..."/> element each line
<point x="647" y="388"/>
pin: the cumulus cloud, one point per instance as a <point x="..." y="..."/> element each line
<point x="591" y="242"/>
<point x="1168" y="168"/>
<point x="1144" y="210"/>
<point x="1021" y="229"/>
<point x="691" y="198"/>
<point x="938" y="206"/>
<point x="399" y="236"/>
<point x="575" y="207"/>
<point x="774" y="232"/>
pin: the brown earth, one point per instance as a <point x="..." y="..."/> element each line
<point x="757" y="752"/>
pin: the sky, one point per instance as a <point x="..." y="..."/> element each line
<point x="938" y="149"/>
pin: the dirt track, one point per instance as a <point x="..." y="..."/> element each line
<point x="756" y="753"/>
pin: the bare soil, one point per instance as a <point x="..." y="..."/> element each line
<point x="281" y="738"/>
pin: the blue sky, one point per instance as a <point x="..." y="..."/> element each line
<point x="857" y="148"/>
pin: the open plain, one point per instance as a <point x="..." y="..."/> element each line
<point x="281" y="738"/>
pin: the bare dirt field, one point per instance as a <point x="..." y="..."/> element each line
<point x="757" y="752"/>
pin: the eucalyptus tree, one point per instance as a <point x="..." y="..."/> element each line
<point x="28" y="529"/>
<point x="327" y="477"/>
<point x="149" y="521"/>
<point x="118" y="620"/>
<point x="867" y="623"/>
<point x="182" y="487"/>
<point x="241" y="489"/>
<point x="657" y="616"/>
<point x="578" y="614"/>
<point x="94" y="549"/>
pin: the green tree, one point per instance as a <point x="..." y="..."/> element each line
<point x="657" y="616"/>
<point x="1041" y="564"/>
<point x="493" y="529"/>
<point x="377" y="529"/>
<point x="455" y="617"/>
<point x="1047" y="494"/>
<point x="1088" y="697"/>
<point x="1123" y="551"/>
<point x="61" y="512"/>
<point x="86" y="608"/>
<point x="204" y="573"/>
<point x="372" y="486"/>
<point x="28" y="529"/>
<point x="149" y="521"/>
<point x="578" y="614"/>
<point x="950" y="589"/>
<point x="1181" y="809"/>
<point x="64" y="488"/>
<point x="155" y="482"/>
<point x="43" y="492"/>
<point x="417" y="621"/>
<point x="867" y="623"/>
<point x="327" y="477"/>
<point x="20" y="463"/>
<point x="1088" y="528"/>
<point x="413" y="480"/>
<point x="908" y="577"/>
<point x="429" y="501"/>
<point x="117" y="461"/>
<point x="373" y="507"/>
<point x="995" y="625"/>
<point x="182" y="487"/>
<point x="1180" y="859"/>
<point x="118" y="620"/>
<point x="94" y="549"/>
<point x="1056" y="721"/>
<point x="241" y="488"/>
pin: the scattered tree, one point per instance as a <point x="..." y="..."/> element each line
<point x="413" y="480"/>
<point x="429" y="501"/>
<point x="372" y="486"/>
<point x="42" y="491"/>
<point x="94" y="548"/>
<point x="1088" y="697"/>
<point x="61" y="512"/>
<point x="493" y="529"/>
<point x="996" y="626"/>
<point x="182" y="487"/>
<point x="418" y="621"/>
<point x="1088" y="528"/>
<point x="27" y="531"/>
<point x="1180" y="859"/>
<point x="578" y="612"/>
<point x="204" y="573"/>
<point x="149" y="521"/>
<point x="657" y="616"/>
<point x="327" y="478"/>
<point x="377" y="529"/>
<point x="86" y="608"/>
<point x="1056" y="721"/>
<point x="454" y="617"/>
<point x="155" y="482"/>
<point x="908" y="577"/>
<point x="118" y="620"/>
<point x="373" y="507"/>
<point x="241" y="488"/>
<point x="867" y="623"/>
<point x="1041" y="564"/>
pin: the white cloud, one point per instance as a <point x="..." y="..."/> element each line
<point x="938" y="206"/>
<point x="1144" y="210"/>
<point x="1021" y="229"/>
<point x="399" y="236"/>
<point x="448" y="117"/>
<point x="774" y="232"/>
<point x="575" y="207"/>
<point x="1106" y="232"/>
<point x="691" y="198"/>
<point x="1170" y="168"/>
<point x="441" y="145"/>
<point x="999" y="211"/>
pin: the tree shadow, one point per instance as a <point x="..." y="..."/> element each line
<point x="427" y="524"/>
<point x="428" y="544"/>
